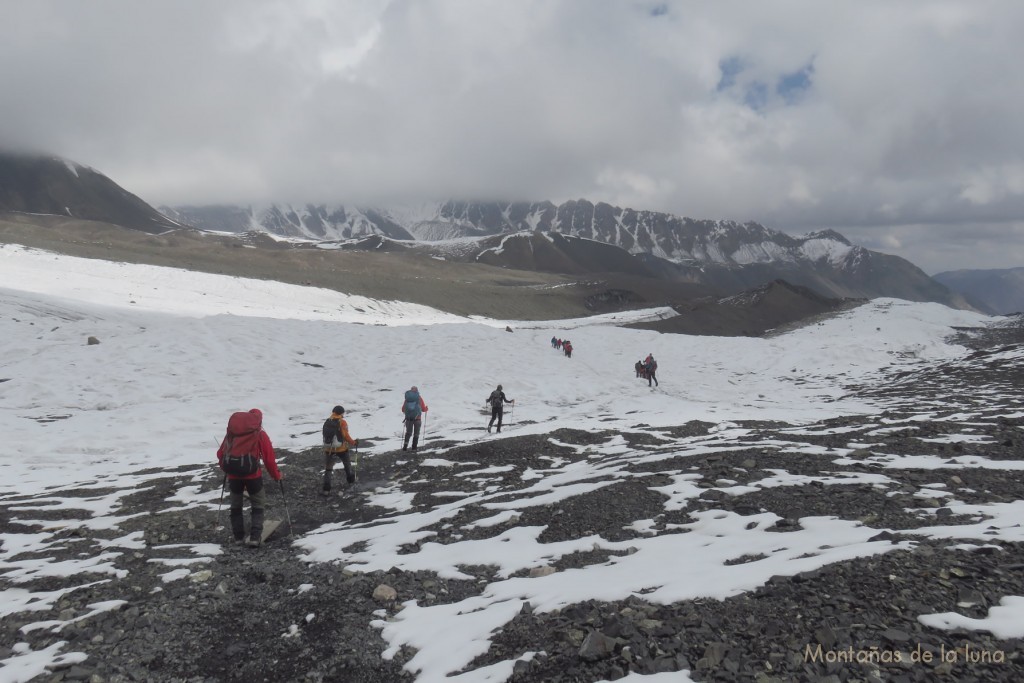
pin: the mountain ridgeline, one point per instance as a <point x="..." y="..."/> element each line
<point x="576" y="238"/>
<point x="999" y="291"/>
<point x="726" y="256"/>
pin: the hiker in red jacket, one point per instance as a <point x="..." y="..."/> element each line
<point x="242" y="451"/>
<point x="650" y="368"/>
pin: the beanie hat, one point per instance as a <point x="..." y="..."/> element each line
<point x="339" y="410"/>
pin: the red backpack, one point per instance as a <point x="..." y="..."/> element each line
<point x="242" y="444"/>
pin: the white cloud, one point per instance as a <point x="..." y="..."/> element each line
<point x="799" y="115"/>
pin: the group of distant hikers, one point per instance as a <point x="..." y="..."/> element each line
<point x="647" y="369"/>
<point x="246" y="446"/>
<point x="563" y="345"/>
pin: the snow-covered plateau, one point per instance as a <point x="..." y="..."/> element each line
<point x="818" y="503"/>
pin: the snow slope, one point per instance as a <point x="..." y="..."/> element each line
<point x="178" y="353"/>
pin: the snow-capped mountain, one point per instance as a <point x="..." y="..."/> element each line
<point x="666" y="236"/>
<point x="285" y="220"/>
<point x="726" y="255"/>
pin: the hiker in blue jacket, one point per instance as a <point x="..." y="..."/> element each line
<point x="413" y="409"/>
<point x="497" y="401"/>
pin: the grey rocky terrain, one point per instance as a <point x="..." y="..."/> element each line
<point x="270" y="614"/>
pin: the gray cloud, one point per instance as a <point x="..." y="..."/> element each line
<point x="895" y="122"/>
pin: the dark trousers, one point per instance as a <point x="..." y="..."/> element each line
<point x="650" y="376"/>
<point x="346" y="462"/>
<point x="412" y="428"/>
<point x="257" y="500"/>
<point x="496" y="414"/>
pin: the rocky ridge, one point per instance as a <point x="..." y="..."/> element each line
<point x="725" y="255"/>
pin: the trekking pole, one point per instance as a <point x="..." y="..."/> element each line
<point x="220" y="505"/>
<point x="287" y="512"/>
<point x="223" y="485"/>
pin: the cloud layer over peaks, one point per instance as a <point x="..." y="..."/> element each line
<point x="866" y="116"/>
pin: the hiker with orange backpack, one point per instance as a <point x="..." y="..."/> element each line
<point x="336" y="444"/>
<point x="242" y="451"/>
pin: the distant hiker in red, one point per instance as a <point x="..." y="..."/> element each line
<point x="413" y="408"/>
<point x="244" y="447"/>
<point x="336" y="443"/>
<point x="651" y="367"/>
<point x="497" y="402"/>
<point x="567" y="347"/>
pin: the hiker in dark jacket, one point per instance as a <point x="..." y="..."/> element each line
<point x="497" y="402"/>
<point x="639" y="367"/>
<point x="336" y="447"/>
<point x="245" y="436"/>
<point x="651" y="367"/>
<point x="412" y="409"/>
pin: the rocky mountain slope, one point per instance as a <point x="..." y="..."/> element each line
<point x="750" y="313"/>
<point x="997" y="291"/>
<point x="49" y="185"/>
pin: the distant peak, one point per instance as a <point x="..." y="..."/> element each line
<point x="827" y="234"/>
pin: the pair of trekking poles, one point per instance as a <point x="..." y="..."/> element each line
<point x="284" y="498"/>
<point x="423" y="427"/>
<point x="511" y="409"/>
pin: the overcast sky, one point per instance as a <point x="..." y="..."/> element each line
<point x="897" y="123"/>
